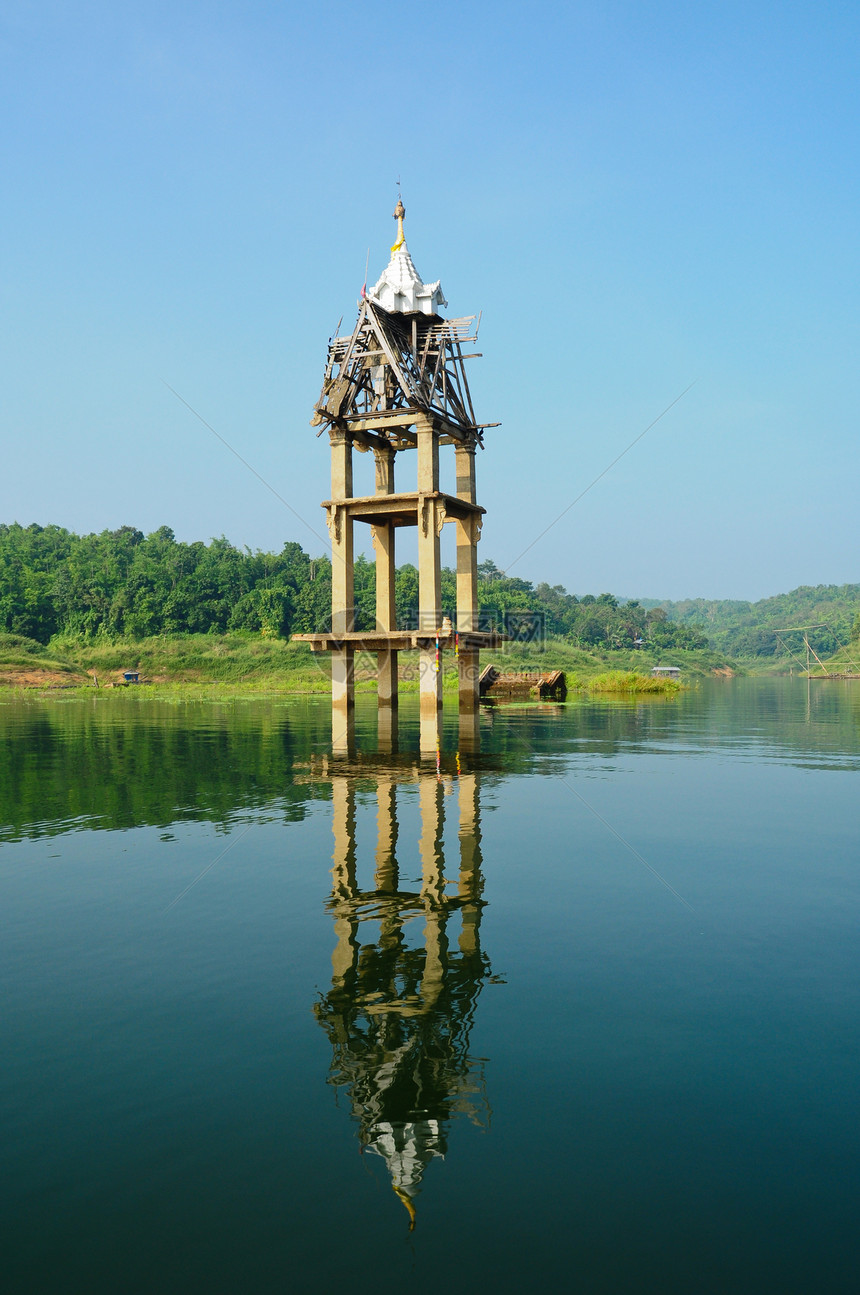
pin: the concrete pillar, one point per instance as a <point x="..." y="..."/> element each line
<point x="469" y="660"/>
<point x="386" y="618"/>
<point x="468" y="678"/>
<point x="386" y="614"/>
<point x="386" y="835"/>
<point x="435" y="956"/>
<point x="341" y="529"/>
<point x="342" y="569"/>
<point x="343" y="830"/>
<point x="386" y="678"/>
<point x="469" y="834"/>
<point x="430" y="669"/>
<point x="384" y="459"/>
<point x="386" y="878"/>
<point x="429" y="565"/>
<point x="386" y="729"/>
<point x="430" y="681"/>
<point x="469" y="719"/>
<point x="464" y="456"/>
<point x="343" y="878"/>
<point x="467" y="574"/>
<point x="469" y="666"/>
<point x="342" y="720"/>
<point x="431" y="796"/>
<point x="470" y="884"/>
<point x="430" y="730"/>
<point x="342" y="688"/>
<point x="431" y="800"/>
<point x="345" y="955"/>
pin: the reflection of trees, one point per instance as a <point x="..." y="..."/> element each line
<point x="130" y="762"/>
<point x="399" y="1015"/>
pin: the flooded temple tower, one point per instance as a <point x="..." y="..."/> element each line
<point x="398" y="383"/>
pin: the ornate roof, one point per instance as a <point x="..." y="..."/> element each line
<point x="400" y="288"/>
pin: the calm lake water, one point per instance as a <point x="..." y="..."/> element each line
<point x="582" y="1008"/>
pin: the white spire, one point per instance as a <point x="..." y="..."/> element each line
<point x="400" y="287"/>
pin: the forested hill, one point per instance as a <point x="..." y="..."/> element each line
<point x="124" y="584"/>
<point x="748" y="629"/>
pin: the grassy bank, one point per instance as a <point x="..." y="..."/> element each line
<point x="626" y="681"/>
<point x="250" y="663"/>
<point x="26" y="663"/>
<point x="558" y="654"/>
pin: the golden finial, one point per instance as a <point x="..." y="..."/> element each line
<point x="399" y="213"/>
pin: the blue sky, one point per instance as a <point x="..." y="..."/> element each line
<point x="636" y="195"/>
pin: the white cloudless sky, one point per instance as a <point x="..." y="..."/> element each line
<point x="637" y="195"/>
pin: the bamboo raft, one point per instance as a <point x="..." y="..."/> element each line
<point x="549" y="686"/>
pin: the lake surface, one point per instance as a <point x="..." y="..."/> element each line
<point x="580" y="1008"/>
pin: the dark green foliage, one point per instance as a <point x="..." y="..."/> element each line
<point x="750" y="629"/>
<point x="126" y="585"/>
<point x="31" y="560"/>
<point x="669" y="634"/>
<point x="365" y="595"/>
<point x="406" y="595"/>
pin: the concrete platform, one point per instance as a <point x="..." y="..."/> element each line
<point x="399" y="640"/>
<point x="402" y="509"/>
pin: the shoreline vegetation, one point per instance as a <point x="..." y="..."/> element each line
<point x="255" y="665"/>
<point x="243" y="664"/>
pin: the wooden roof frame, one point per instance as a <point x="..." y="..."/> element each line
<point x="394" y="367"/>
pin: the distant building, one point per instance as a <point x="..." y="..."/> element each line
<point x="666" y="672"/>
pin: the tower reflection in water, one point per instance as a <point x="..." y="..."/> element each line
<point x="407" y="970"/>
